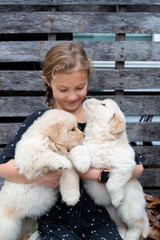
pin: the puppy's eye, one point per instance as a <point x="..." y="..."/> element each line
<point x="103" y="104"/>
<point x="73" y="129"/>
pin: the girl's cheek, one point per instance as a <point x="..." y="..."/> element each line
<point x="83" y="93"/>
<point x="58" y="95"/>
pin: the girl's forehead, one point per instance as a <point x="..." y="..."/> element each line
<point x="70" y="79"/>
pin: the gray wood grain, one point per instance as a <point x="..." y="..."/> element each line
<point x="152" y="192"/>
<point x="125" y="79"/>
<point x="135" y="105"/>
<point x="150" y="178"/>
<point x="79" y="2"/>
<point x="48" y="22"/>
<point x="99" y="80"/>
<point x="144" y="132"/>
<point x="151" y="153"/>
<point x="20" y="106"/>
<point x="35" y="51"/>
<point x="21" y="81"/>
<point x="130" y="105"/>
<point x="136" y="131"/>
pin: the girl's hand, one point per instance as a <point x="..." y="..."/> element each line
<point x="91" y="174"/>
<point x="11" y="173"/>
<point x="50" y="179"/>
<point x="137" y="171"/>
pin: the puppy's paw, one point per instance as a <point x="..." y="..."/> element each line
<point x="62" y="163"/>
<point x="71" y="199"/>
<point x="117" y="200"/>
<point x="80" y="158"/>
<point x="122" y="230"/>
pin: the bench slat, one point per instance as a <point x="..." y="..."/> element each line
<point x="131" y="105"/>
<point x="35" y="51"/>
<point x="100" y="80"/>
<point x="150" y="178"/>
<point x="79" y="2"/>
<point x="136" y="131"/>
<point x="46" y="22"/>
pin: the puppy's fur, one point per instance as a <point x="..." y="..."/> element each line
<point x="44" y="147"/>
<point x="107" y="143"/>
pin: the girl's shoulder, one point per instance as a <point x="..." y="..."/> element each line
<point x="33" y="116"/>
<point x="9" y="150"/>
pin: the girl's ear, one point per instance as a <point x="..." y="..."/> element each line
<point x="45" y="79"/>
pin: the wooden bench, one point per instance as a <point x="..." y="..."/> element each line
<point x="28" y="29"/>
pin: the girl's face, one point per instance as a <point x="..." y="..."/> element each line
<point x="69" y="90"/>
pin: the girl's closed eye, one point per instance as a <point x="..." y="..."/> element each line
<point x="62" y="90"/>
<point x="80" y="88"/>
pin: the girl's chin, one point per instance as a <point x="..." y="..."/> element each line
<point x="71" y="107"/>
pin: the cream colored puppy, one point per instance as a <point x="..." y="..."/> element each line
<point x="107" y="143"/>
<point x="44" y="147"/>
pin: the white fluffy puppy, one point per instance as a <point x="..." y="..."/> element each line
<point x="107" y="143"/>
<point x="43" y="147"/>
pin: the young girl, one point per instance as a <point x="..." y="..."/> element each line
<point x="66" y="69"/>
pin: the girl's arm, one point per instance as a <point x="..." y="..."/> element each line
<point x="10" y="173"/>
<point x="93" y="173"/>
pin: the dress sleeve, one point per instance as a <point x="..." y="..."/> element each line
<point x="139" y="159"/>
<point x="9" y="151"/>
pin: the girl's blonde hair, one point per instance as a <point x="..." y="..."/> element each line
<point x="63" y="58"/>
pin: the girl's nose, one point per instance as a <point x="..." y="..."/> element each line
<point x="72" y="96"/>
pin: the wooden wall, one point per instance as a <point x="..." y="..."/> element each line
<point x="28" y="29"/>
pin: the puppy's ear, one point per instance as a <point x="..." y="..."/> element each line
<point x="117" y="124"/>
<point x="57" y="132"/>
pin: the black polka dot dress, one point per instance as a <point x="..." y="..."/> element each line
<point x="85" y="220"/>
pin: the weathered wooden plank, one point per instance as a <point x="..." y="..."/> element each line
<point x="79" y="2"/>
<point x="125" y="79"/>
<point x="154" y="8"/>
<point x="33" y="51"/>
<point x="100" y="80"/>
<point x="151" y="153"/>
<point x="8" y="131"/>
<point x="152" y="192"/>
<point x="150" y="177"/>
<point x="21" y="81"/>
<point x="20" y="106"/>
<point x="143" y="131"/>
<point x="46" y="22"/>
<point x="136" y="131"/>
<point x="130" y="105"/>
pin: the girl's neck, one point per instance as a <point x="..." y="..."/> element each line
<point x="78" y="113"/>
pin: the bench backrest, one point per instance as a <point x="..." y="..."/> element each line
<point x="28" y="29"/>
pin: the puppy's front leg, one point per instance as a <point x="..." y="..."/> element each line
<point x="38" y="164"/>
<point x="69" y="187"/>
<point x="80" y="158"/>
<point x="116" y="184"/>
